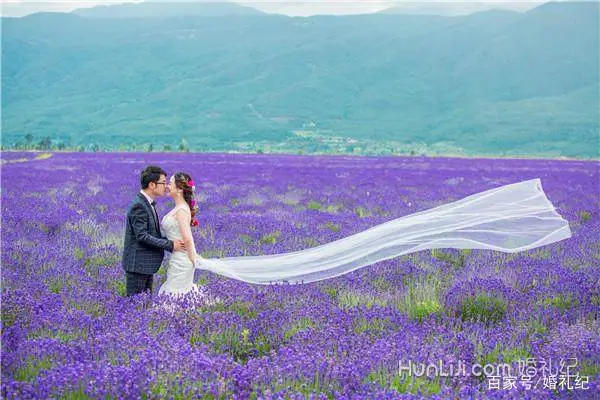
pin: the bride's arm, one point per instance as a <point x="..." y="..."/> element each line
<point x="183" y="221"/>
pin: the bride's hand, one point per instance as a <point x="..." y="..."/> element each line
<point x="198" y="261"/>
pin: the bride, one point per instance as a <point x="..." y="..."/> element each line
<point x="177" y="225"/>
<point x="509" y="218"/>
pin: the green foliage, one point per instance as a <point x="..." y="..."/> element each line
<point x="93" y="263"/>
<point x="331" y="291"/>
<point x="271" y="238"/>
<point x="589" y="368"/>
<point x="78" y="253"/>
<point x="171" y="386"/>
<point x="457" y="261"/>
<point x="57" y="283"/>
<point x="361" y="212"/>
<point x="300" y="325"/>
<point x="332" y="227"/>
<point x="421" y="298"/>
<point x="513" y="354"/>
<point x="584" y="215"/>
<point x="349" y="298"/>
<point x="501" y="354"/>
<point x="561" y="301"/>
<point x="242" y="308"/>
<point x="423" y="309"/>
<point x="381" y="283"/>
<point x="404" y="383"/>
<point x="333" y="208"/>
<point x="119" y="287"/>
<point x="246" y="238"/>
<point x="8" y="315"/>
<point x="236" y="343"/>
<point x="536" y="327"/>
<point x="32" y="368"/>
<point x="373" y="326"/>
<point x="76" y="394"/>
<point x="316" y="386"/>
<point x="483" y="307"/>
<point x="314" y="205"/>
<point x="63" y="335"/>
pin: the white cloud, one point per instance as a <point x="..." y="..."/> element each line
<point x="338" y="7"/>
<point x="312" y="7"/>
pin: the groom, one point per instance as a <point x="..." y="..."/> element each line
<point x="144" y="247"/>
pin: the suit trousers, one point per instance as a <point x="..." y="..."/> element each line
<point x="138" y="283"/>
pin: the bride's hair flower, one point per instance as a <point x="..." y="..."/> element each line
<point x="190" y="182"/>
<point x="194" y="222"/>
<point x="193" y="202"/>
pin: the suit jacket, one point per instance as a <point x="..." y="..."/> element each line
<point x="144" y="246"/>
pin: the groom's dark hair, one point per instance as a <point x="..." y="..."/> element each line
<point x="151" y="174"/>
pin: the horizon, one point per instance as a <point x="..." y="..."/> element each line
<point x="21" y="8"/>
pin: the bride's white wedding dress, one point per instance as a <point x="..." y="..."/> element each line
<point x="509" y="218"/>
<point x="180" y="270"/>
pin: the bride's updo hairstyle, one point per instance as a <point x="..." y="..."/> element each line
<point x="184" y="182"/>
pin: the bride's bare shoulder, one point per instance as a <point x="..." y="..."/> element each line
<point x="182" y="210"/>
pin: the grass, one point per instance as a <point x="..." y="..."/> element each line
<point x="332" y="227"/>
<point x="347" y="299"/>
<point x="483" y="307"/>
<point x="381" y="283"/>
<point x="32" y="368"/>
<point x="9" y="315"/>
<point x="501" y="354"/>
<point x="404" y="383"/>
<point x="171" y="386"/>
<point x="93" y="308"/>
<point x="314" y="205"/>
<point x="584" y="216"/>
<point x="63" y="336"/>
<point x="331" y="291"/>
<point x="560" y="301"/>
<point x="119" y="287"/>
<point x="241" y="308"/>
<point x="535" y="327"/>
<point x="234" y="342"/>
<point x="361" y="212"/>
<point x="589" y="368"/>
<point x="271" y="238"/>
<point x="457" y="261"/>
<point x="374" y="326"/>
<point x="422" y="298"/>
<point x="57" y="283"/>
<point x="300" y="325"/>
<point x="311" y="387"/>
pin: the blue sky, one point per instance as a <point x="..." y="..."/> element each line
<point x="292" y="8"/>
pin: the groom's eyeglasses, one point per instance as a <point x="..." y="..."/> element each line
<point x="161" y="183"/>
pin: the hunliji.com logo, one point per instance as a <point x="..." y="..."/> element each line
<point x="531" y="373"/>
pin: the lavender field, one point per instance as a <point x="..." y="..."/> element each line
<point x="69" y="332"/>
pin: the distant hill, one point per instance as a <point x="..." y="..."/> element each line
<point x="448" y="9"/>
<point x="491" y="82"/>
<point x="162" y="9"/>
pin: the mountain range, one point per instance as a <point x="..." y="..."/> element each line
<point x="217" y="75"/>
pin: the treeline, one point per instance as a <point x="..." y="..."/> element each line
<point x="30" y="143"/>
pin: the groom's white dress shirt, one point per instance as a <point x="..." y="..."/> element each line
<point x="150" y="200"/>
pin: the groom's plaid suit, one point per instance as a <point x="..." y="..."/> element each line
<point x="144" y="246"/>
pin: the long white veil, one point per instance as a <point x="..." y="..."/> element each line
<point x="509" y="218"/>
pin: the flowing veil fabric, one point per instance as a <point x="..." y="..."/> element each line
<point x="509" y="218"/>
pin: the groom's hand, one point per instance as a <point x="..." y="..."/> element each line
<point x="178" y="245"/>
